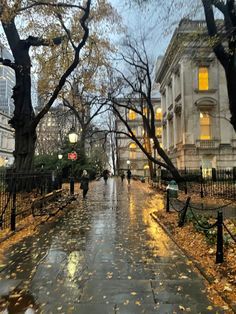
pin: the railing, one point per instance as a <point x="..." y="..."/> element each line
<point x="219" y="183"/>
<point x="207" y="144"/>
<point x="17" y="193"/>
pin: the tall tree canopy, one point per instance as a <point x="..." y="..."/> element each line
<point x="57" y="31"/>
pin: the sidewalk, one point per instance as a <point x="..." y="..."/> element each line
<point x="105" y="255"/>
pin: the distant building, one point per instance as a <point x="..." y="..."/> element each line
<point x="7" y="143"/>
<point x="7" y="82"/>
<point x="194" y="102"/>
<point x="52" y="130"/>
<point x="129" y="154"/>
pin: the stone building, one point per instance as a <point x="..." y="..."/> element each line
<point x="129" y="154"/>
<point x="52" y="130"/>
<point x="194" y="101"/>
<point x="7" y="143"/>
<point x="7" y="82"/>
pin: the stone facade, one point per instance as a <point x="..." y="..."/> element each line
<point x="7" y="82"/>
<point x="7" y="143"/>
<point x="127" y="150"/>
<point x="196" y="130"/>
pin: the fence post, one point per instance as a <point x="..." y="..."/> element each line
<point x="167" y="201"/>
<point x="213" y="173"/>
<point x="219" y="248"/>
<point x="183" y="213"/>
<point x="201" y="178"/>
<point x="13" y="209"/>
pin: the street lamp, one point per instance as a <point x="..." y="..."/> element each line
<point x="128" y="164"/>
<point x="60" y="156"/>
<point x="73" y="138"/>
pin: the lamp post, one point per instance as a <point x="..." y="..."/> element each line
<point x="128" y="164"/>
<point x="73" y="139"/>
<point x="60" y="156"/>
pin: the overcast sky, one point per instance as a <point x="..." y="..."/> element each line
<point x="153" y="21"/>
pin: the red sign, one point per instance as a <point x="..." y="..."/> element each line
<point x="72" y="155"/>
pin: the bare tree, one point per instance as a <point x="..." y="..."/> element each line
<point x="224" y="44"/>
<point x="136" y="84"/>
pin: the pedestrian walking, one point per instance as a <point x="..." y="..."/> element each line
<point x="84" y="183"/>
<point x="122" y="175"/>
<point x="129" y="175"/>
<point x="105" y="175"/>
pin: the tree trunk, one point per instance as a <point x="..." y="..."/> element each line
<point x="231" y="86"/>
<point x="82" y="155"/>
<point x="25" y="134"/>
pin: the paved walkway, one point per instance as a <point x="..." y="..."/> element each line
<point x="106" y="256"/>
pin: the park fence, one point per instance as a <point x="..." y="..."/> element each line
<point x="219" y="183"/>
<point x="196" y="213"/>
<point x="18" y="192"/>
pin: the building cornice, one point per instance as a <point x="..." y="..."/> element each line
<point x="174" y="51"/>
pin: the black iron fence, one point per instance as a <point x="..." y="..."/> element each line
<point x="18" y="191"/>
<point x="196" y="213"/>
<point x="207" y="182"/>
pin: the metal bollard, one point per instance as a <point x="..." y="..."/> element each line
<point x="183" y="213"/>
<point x="219" y="247"/>
<point x="167" y="201"/>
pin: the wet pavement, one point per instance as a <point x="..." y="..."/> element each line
<point x="106" y="255"/>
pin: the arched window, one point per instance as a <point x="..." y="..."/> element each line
<point x="145" y="111"/>
<point x="134" y="132"/>
<point x="203" y="78"/>
<point x="158" y="131"/>
<point x="132" y="151"/>
<point x="205" y="126"/>
<point x="132" y="115"/>
<point x="158" y="114"/>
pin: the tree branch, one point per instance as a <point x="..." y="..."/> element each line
<point x="55" y="5"/>
<point x="213" y="33"/>
<point x="70" y="69"/>
<point x="37" y="41"/>
<point x="8" y="63"/>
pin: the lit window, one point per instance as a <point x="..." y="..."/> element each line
<point x="145" y="112"/>
<point x="203" y="78"/>
<point x="158" y="114"/>
<point x="132" y="152"/>
<point x="205" y="126"/>
<point x="132" y="115"/>
<point x="132" y="146"/>
<point x="158" y="131"/>
<point x="134" y="132"/>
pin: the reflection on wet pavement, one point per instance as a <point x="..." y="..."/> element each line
<point x="106" y="255"/>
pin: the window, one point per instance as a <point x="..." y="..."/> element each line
<point x="134" y="132"/>
<point x="205" y="126"/>
<point x="132" y="152"/>
<point x="203" y="78"/>
<point x="158" y="114"/>
<point x="145" y="111"/>
<point x="132" y="115"/>
<point x="158" y="131"/>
